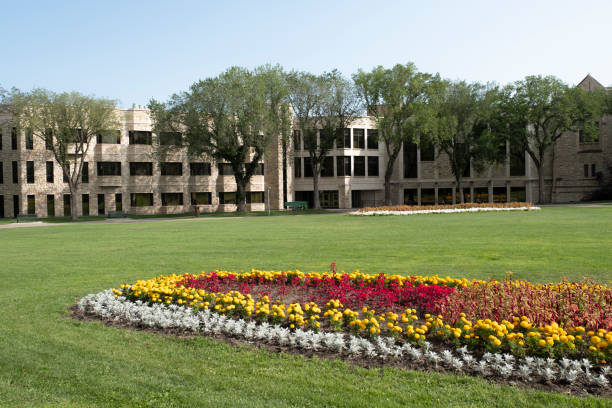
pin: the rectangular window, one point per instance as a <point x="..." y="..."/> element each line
<point x="410" y="160"/>
<point x="141" y="168"/>
<point x="227" y="197"/>
<point x="481" y="194"/>
<point x="255" y="197"/>
<point x="586" y="172"/>
<point x="141" y="199"/>
<point x="201" y="198"/>
<point x="517" y="194"/>
<point x="170" y="199"/>
<point x="30" y="172"/>
<point x="49" y="139"/>
<point x="445" y="196"/>
<point x="410" y="196"/>
<point x="343" y="141"/>
<point x="343" y="166"/>
<point x="297" y="140"/>
<point x="499" y="195"/>
<point x="109" y="168"/>
<point x="29" y="140"/>
<point x="66" y="205"/>
<point x="428" y="196"/>
<point x="373" y="166"/>
<point x="14" y="138"/>
<point x="297" y="167"/>
<point x="359" y="166"/>
<point x="50" y="176"/>
<point x="172" y="169"/>
<point x="307" y="167"/>
<point x="139" y="137"/>
<point x="85" y="204"/>
<point x="328" y="198"/>
<point x="2" y="206"/>
<point x="64" y="177"/>
<point x="358" y="138"/>
<point x="85" y="173"/>
<point x="16" y="209"/>
<point x="327" y="167"/>
<point x="31" y="205"/>
<point x="428" y="150"/>
<point x="118" y="202"/>
<point x="225" y="169"/>
<point x="50" y="205"/>
<point x="199" y="169"/>
<point x="15" y="173"/>
<point x="593" y="171"/>
<point x="170" y="138"/>
<point x="1" y="173"/>
<point x="373" y="139"/>
<point x="517" y="162"/>
<point x="100" y="204"/>
<point x="109" y="137"/>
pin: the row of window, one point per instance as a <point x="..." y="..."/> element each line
<point x="480" y="195"/>
<point x="359" y="140"/>
<point x="345" y="166"/>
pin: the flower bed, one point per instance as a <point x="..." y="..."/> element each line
<point x="485" y="326"/>
<point x="444" y="209"/>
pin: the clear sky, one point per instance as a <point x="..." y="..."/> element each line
<point x="134" y="51"/>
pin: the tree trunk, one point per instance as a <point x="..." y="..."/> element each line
<point x="73" y="201"/>
<point x="553" y="186"/>
<point x="388" y="174"/>
<point x="240" y="195"/>
<point x="315" y="187"/>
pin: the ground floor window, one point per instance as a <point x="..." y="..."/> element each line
<point x="481" y="194"/>
<point x="428" y="196"/>
<point x="31" y="205"/>
<point x="141" y="199"/>
<point x="518" y="194"/>
<point x="201" y="198"/>
<point x="445" y="196"/>
<point x="307" y="196"/>
<point x="255" y="197"/>
<point x="1" y="206"/>
<point x="66" y="205"/>
<point x="118" y="202"/>
<point x="100" y="204"/>
<point x="329" y="198"/>
<point x="226" y="197"/>
<point x="411" y="196"/>
<point x="85" y="204"/>
<point x="499" y="195"/>
<point x="170" y="199"/>
<point x="50" y="205"/>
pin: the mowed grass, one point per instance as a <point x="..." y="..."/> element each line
<point x="48" y="359"/>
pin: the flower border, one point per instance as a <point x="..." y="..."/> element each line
<point x="443" y="211"/>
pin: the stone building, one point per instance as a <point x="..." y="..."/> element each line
<point x="123" y="174"/>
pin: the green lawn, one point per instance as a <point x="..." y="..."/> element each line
<point x="47" y="359"/>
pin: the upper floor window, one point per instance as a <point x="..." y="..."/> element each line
<point x="85" y="173"/>
<point x="225" y="169"/>
<point x="172" y="169"/>
<point x="50" y="176"/>
<point x="141" y="168"/>
<point x="358" y="138"/>
<point x="109" y="168"/>
<point x="428" y="150"/>
<point x="343" y="141"/>
<point x="30" y="172"/>
<point x="109" y="137"/>
<point x="14" y="138"/>
<point x="373" y="139"/>
<point x="373" y="166"/>
<point x="170" y="138"/>
<point x="199" y="169"/>
<point x="297" y="139"/>
<point x="297" y="167"/>
<point x="327" y="167"/>
<point x="140" y="137"/>
<point x="343" y="166"/>
<point x="29" y="139"/>
<point x="259" y="170"/>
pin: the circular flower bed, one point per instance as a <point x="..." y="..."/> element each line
<point x="444" y="209"/>
<point x="508" y="330"/>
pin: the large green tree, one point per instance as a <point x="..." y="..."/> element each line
<point x="398" y="100"/>
<point x="229" y="118"/>
<point x="67" y="123"/>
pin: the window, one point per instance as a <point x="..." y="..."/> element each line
<point x="255" y="197"/>
<point x="50" y="205"/>
<point x="359" y="166"/>
<point x="481" y="194"/>
<point x="327" y="167"/>
<point x="344" y="140"/>
<point x="428" y="196"/>
<point x="259" y="170"/>
<point x="118" y="202"/>
<point x="172" y="169"/>
<point x="517" y="194"/>
<point x="428" y="150"/>
<point x="49" y="139"/>
<point x="410" y="161"/>
<point x="343" y="165"/>
<point x="64" y="177"/>
<point x="139" y="137"/>
<point x="225" y="169"/>
<point x="586" y="171"/>
<point x="445" y="196"/>
<point x="1" y="173"/>
<point x="67" y="205"/>
<point x="170" y="138"/>
<point x="141" y="200"/>
<point x="14" y="138"/>
<point x="201" y="198"/>
<point x="141" y="168"/>
<point x="85" y="173"/>
<point x="227" y="197"/>
<point x="297" y="140"/>
<point x="169" y="199"/>
<point x="1" y="206"/>
<point x="410" y="196"/>
<point x="15" y="173"/>
<point x="16" y="210"/>
<point x="373" y="166"/>
<point x="109" y="137"/>
<point x="50" y="176"/>
<point x="29" y="139"/>
<point x="328" y="198"/>
<point x="100" y="204"/>
<point x="373" y="139"/>
<point x="30" y="172"/>
<point x="85" y="204"/>
<point x="593" y="170"/>
<point x="358" y="138"/>
<point x="517" y="161"/>
<point x="31" y="204"/>
<point x="297" y="167"/>
<point x="499" y="195"/>
<point x="199" y="169"/>
<point x="307" y="167"/>
<point x="109" y="168"/>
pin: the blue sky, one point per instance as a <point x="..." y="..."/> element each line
<point x="133" y="51"/>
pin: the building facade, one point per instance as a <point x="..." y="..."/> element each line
<point x="123" y="174"/>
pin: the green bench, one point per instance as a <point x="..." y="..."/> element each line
<point x="27" y="217"/>
<point x="296" y="205"/>
<point x="117" y="214"/>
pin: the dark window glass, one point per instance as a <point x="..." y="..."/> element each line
<point x="428" y="196"/>
<point x="259" y="170"/>
<point x="517" y="162"/>
<point x="30" y="172"/>
<point x="85" y="173"/>
<point x="428" y="151"/>
<point x="15" y="173"/>
<point x="343" y="140"/>
<point x="359" y="166"/>
<point x="49" y="139"/>
<point x="307" y="167"/>
<point x="518" y="194"/>
<point x="373" y="166"/>
<point x="139" y="137"/>
<point x="2" y="174"/>
<point x="172" y="169"/>
<point x="410" y="161"/>
<point x="2" y="206"/>
<point x="328" y="198"/>
<point x="373" y="139"/>
<point x="343" y="165"/>
<point x="141" y="199"/>
<point x="227" y="198"/>
<point x="199" y="169"/>
<point x="31" y="205"/>
<point x="29" y="140"/>
<point x="586" y="171"/>
<point x="141" y="168"/>
<point x="481" y="194"/>
<point x="170" y="138"/>
<point x="50" y="176"/>
<point x="50" y="205"/>
<point x="225" y="169"/>
<point x="297" y="167"/>
<point x="593" y="170"/>
<point x="14" y="138"/>
<point x="327" y="167"/>
<point x="85" y="204"/>
<point x="118" y="202"/>
<point x="64" y="177"/>
<point x="445" y="196"/>
<point x="297" y="140"/>
<point x="411" y="196"/>
<point x="169" y="199"/>
<point x="100" y="204"/>
<point x="16" y="210"/>
<point x="109" y="137"/>
<point x="255" y="197"/>
<point x="109" y="168"/>
<point x="67" y="205"/>
<point x="358" y="138"/>
<point x="201" y="198"/>
<point x="499" y="195"/>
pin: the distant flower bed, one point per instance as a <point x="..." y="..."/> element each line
<point x="465" y="325"/>
<point x="441" y="209"/>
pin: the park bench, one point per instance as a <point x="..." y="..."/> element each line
<point x="27" y="217"/>
<point x="296" y="205"/>
<point x="117" y="214"/>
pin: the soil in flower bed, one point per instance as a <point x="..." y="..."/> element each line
<point x="579" y="388"/>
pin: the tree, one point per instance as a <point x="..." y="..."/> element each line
<point x="398" y="100"/>
<point x="539" y="110"/>
<point x="323" y="107"/>
<point x="67" y="123"/>
<point x="230" y="118"/>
